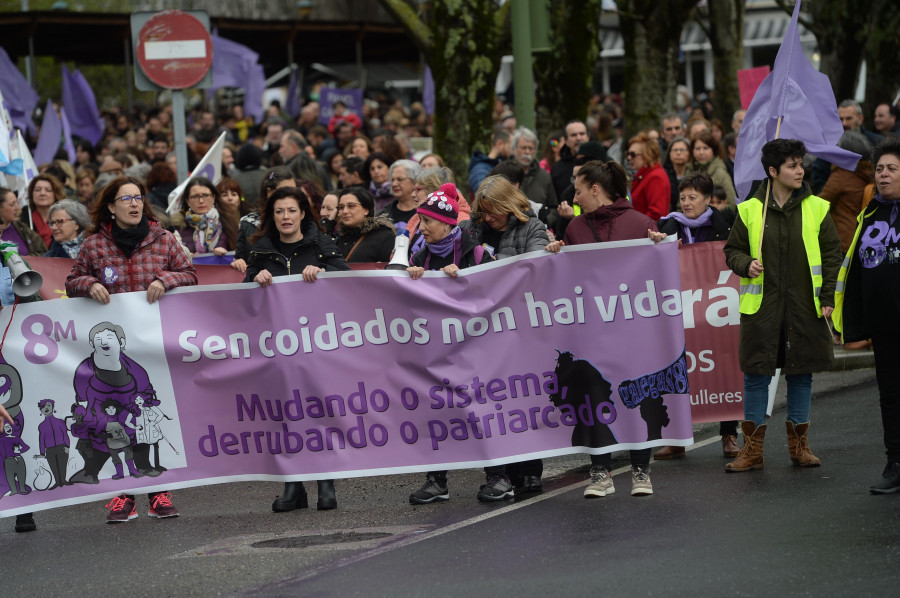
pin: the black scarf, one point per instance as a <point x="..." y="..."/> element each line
<point x="129" y="238"/>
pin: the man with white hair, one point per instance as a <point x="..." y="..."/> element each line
<point x="537" y="184"/>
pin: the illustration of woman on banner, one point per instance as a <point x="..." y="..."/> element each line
<point x="12" y="447"/>
<point x="109" y="375"/>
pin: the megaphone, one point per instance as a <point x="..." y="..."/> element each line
<point x="400" y="258"/>
<point x="25" y="281"/>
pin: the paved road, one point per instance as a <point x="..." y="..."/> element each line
<point x="781" y="531"/>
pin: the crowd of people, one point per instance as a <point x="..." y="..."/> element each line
<point x="300" y="196"/>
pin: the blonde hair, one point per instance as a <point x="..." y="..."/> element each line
<point x="496" y="195"/>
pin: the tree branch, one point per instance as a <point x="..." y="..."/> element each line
<point x="789" y="9"/>
<point x="407" y="17"/>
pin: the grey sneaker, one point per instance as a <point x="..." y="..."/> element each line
<point x="497" y="488"/>
<point x="640" y="481"/>
<point x="429" y="492"/>
<point x="601" y="483"/>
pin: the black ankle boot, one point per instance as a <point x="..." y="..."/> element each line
<point x="293" y="497"/>
<point x="327" y="500"/>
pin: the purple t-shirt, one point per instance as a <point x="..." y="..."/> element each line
<point x="13" y="236"/>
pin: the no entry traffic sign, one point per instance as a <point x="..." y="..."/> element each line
<point x="174" y="49"/>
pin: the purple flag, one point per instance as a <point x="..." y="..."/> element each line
<point x="235" y="65"/>
<point x="80" y="106"/>
<point x="428" y="92"/>
<point x="802" y="97"/>
<point x="292" y="103"/>
<point x="20" y="99"/>
<point x="51" y="132"/>
<point x="67" y="137"/>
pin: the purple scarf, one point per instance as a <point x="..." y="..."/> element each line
<point x="452" y="242"/>
<point x="888" y="202"/>
<point x="687" y="224"/>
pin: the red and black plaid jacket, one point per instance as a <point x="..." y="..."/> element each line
<point x="159" y="256"/>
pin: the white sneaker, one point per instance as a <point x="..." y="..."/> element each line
<point x="601" y="483"/>
<point x="640" y="481"/>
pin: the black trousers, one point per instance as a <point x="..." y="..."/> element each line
<point x="887" y="374"/>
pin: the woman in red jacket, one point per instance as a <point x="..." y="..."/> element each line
<point x="128" y="250"/>
<point x="651" y="192"/>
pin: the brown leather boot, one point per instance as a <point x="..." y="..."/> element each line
<point x="669" y="452"/>
<point x="751" y="456"/>
<point x="730" y="446"/>
<point x="798" y="445"/>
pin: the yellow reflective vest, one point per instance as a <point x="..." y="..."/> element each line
<point x="814" y="209"/>
<point x="837" y="317"/>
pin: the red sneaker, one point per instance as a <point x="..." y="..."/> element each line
<point x="161" y="506"/>
<point x="121" y="509"/>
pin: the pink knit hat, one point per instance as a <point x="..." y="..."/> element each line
<point x="442" y="205"/>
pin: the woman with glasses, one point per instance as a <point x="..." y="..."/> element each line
<point x="403" y="175"/>
<point x="127" y="250"/>
<point x="68" y="221"/>
<point x="362" y="236"/>
<point x="209" y="224"/>
<point x="651" y="193"/>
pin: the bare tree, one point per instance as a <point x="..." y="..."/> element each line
<point x="882" y="67"/>
<point x="564" y="76"/>
<point x="723" y="23"/>
<point x="651" y="32"/>
<point x="463" y="43"/>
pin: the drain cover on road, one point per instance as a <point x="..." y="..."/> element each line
<point x="318" y="540"/>
<point x="330" y="539"/>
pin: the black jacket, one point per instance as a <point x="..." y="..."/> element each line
<point x="719" y="225"/>
<point x="377" y="245"/>
<point x="316" y="249"/>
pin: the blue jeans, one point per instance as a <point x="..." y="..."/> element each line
<point x="756" y="397"/>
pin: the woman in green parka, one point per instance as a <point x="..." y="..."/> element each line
<point x="785" y="296"/>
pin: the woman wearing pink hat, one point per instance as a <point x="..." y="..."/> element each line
<point x="449" y="250"/>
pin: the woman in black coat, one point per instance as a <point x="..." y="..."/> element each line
<point x="289" y="242"/>
<point x="698" y="222"/>
<point x="362" y="236"/>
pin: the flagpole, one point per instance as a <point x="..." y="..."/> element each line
<point x="768" y="195"/>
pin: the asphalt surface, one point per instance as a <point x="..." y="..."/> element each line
<point x="781" y="531"/>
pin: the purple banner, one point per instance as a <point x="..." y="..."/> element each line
<point x="359" y="373"/>
<point x="352" y="98"/>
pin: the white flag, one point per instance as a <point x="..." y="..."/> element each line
<point x="210" y="167"/>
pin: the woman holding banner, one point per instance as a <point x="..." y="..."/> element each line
<point x="274" y="178"/>
<point x="127" y="250"/>
<point x="786" y="294"/>
<point x="289" y="241"/>
<point x="606" y="215"/>
<point x="449" y="250"/>
<point x="867" y="305"/>
<point x="695" y="223"/>
<point x="503" y="221"/>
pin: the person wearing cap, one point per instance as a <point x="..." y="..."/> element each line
<point x="249" y="172"/>
<point x="449" y="250"/>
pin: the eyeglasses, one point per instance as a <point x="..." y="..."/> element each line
<point x="200" y="196"/>
<point x="130" y="199"/>
<point x="631" y="155"/>
<point x="348" y="206"/>
<point x="418" y="189"/>
<point x="59" y="222"/>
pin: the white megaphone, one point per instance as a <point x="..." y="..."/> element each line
<point x="25" y="281"/>
<point x="400" y="258"/>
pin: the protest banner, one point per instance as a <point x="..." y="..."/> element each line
<point x="712" y="321"/>
<point x="531" y="357"/>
